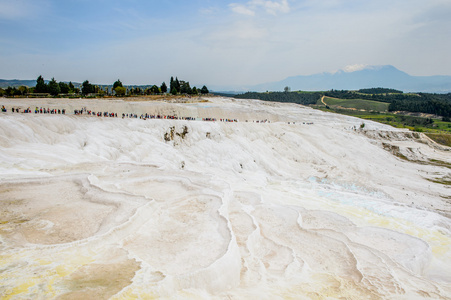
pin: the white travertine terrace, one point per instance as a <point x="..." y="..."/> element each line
<point x="301" y="207"/>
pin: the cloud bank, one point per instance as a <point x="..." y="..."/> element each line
<point x="271" y="7"/>
<point x="214" y="42"/>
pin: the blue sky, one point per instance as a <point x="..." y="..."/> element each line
<point x="219" y="42"/>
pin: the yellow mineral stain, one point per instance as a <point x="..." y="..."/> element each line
<point x="188" y="295"/>
<point x="72" y="263"/>
<point x="327" y="286"/>
<point x="44" y="262"/>
<point x="54" y="275"/>
<point x="4" y="260"/>
<point x="131" y="294"/>
<point x="20" y="289"/>
<point x="62" y="271"/>
<point x="439" y="243"/>
<point x="443" y="246"/>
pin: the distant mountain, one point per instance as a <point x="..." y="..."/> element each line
<point x="357" y="78"/>
<point x="4" y="83"/>
<point x="351" y="78"/>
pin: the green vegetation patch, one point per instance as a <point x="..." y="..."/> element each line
<point x="358" y="104"/>
<point x="444" y="180"/>
<point x="304" y="98"/>
<point x="395" y="151"/>
<point x="437" y="130"/>
<point x="379" y="90"/>
<point x="440" y="163"/>
<point x="441" y="138"/>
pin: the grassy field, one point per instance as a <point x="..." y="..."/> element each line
<point x="435" y="129"/>
<point x="438" y="130"/>
<point x="441" y="138"/>
<point x="358" y="104"/>
<point x="400" y="121"/>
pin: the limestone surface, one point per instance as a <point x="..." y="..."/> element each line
<point x="287" y="202"/>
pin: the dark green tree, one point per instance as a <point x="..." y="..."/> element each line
<point x="177" y="85"/>
<point x="174" y="91"/>
<point x="204" y="90"/>
<point x="53" y="87"/>
<point x="120" y="90"/>
<point x="185" y="88"/>
<point x="163" y="87"/>
<point x="171" y="84"/>
<point x="10" y="91"/>
<point x="87" y="88"/>
<point x="116" y="84"/>
<point x="71" y="87"/>
<point x="41" y="87"/>
<point x="23" y="89"/>
<point x="155" y="89"/>
<point x="195" y="91"/>
<point x="64" y="87"/>
<point x="137" y="91"/>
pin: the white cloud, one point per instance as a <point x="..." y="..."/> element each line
<point x="356" y="67"/>
<point x="208" y="10"/>
<point x="271" y="7"/>
<point x="242" y="9"/>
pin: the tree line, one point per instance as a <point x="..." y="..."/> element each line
<point x="54" y="89"/>
<point x="183" y="87"/>
<point x="436" y="104"/>
<point x="379" y="90"/>
<point x="428" y="103"/>
<point x="304" y="98"/>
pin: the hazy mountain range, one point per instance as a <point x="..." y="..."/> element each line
<point x="4" y="83"/>
<point x="353" y="79"/>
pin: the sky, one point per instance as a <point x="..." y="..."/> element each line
<point x="219" y="43"/>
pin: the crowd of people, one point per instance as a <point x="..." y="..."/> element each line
<point x="93" y="113"/>
<point x="84" y="111"/>
<point x="146" y="116"/>
<point x="37" y="110"/>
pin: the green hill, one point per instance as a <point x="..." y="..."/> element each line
<point x="358" y="104"/>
